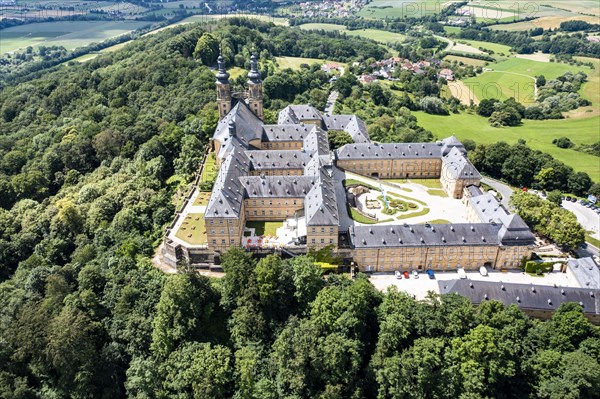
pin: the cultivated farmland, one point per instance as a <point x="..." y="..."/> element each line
<point x="70" y="34"/>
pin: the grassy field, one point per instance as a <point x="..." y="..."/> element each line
<point x="452" y="29"/>
<point x="538" y="134"/>
<point x="208" y="18"/>
<point x="210" y="170"/>
<point x="437" y="192"/>
<point x="70" y="34"/>
<point x="296" y="62"/>
<point x="374" y="34"/>
<point x="591" y="89"/>
<point x="409" y="215"/>
<point x="193" y="229"/>
<point x="202" y="198"/>
<point x="383" y="9"/>
<point x="465" y="60"/>
<point x="515" y="77"/>
<point x="495" y="47"/>
<point x="264" y="228"/>
<point x="429" y="183"/>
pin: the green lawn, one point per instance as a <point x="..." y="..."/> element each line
<point x="495" y="47"/>
<point x="374" y="34"/>
<point x="70" y="34"/>
<point x="210" y="170"/>
<point x="384" y="9"/>
<point x="515" y="77"/>
<point x="465" y="60"/>
<point x="264" y="228"/>
<point x="296" y="62"/>
<point x="360" y="218"/>
<point x="438" y="221"/>
<point x="437" y="192"/>
<point x="429" y="183"/>
<point x="452" y="29"/>
<point x="538" y="134"/>
<point x="193" y="229"/>
<point x="594" y="241"/>
<point x="409" y="215"/>
<point x="216" y="17"/>
<point x="202" y="198"/>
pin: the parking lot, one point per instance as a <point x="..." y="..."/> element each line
<point x="419" y="287"/>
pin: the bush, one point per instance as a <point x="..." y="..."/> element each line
<point x="563" y="142"/>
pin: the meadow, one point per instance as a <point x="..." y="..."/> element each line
<point x="465" y="60"/>
<point x="373" y="34"/>
<point x="515" y="77"/>
<point x="296" y="62"/>
<point x="383" y="9"/>
<point x="70" y="34"/>
<point x="495" y="47"/>
<point x="537" y="134"/>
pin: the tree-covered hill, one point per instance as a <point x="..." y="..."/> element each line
<point x="91" y="156"/>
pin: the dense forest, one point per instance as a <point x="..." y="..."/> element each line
<point x="92" y="157"/>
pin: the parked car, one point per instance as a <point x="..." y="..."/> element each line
<point x="543" y="193"/>
<point x="398" y="274"/>
<point x="431" y="274"/>
<point x="573" y="199"/>
<point x="483" y="271"/>
<point x="405" y="274"/>
<point x="415" y="274"/>
<point x="568" y="198"/>
<point x="461" y="272"/>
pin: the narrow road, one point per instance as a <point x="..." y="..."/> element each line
<point x="333" y="96"/>
<point x="502" y="188"/>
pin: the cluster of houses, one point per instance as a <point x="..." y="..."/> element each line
<point x="331" y="8"/>
<point x="385" y="69"/>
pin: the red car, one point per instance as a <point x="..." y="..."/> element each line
<point x="405" y="274"/>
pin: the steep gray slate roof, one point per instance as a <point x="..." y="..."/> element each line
<point x="459" y="166"/>
<point x="487" y="207"/>
<point x="474" y="191"/>
<point x="526" y="296"/>
<point x="277" y="159"/>
<point x="227" y="194"/>
<point x="320" y="206"/>
<point x="394" y="236"/>
<point x="515" y="231"/>
<point x="351" y="124"/>
<point x="247" y="125"/>
<point x="288" y="132"/>
<point x="296" y="113"/>
<point x="317" y="143"/>
<point x="450" y="143"/>
<point x="389" y="151"/>
<point x="277" y="186"/>
<point x="586" y="272"/>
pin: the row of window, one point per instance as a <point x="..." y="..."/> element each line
<point x="223" y="242"/>
<point x="231" y="231"/>
<point x="212" y="221"/>
<point x="271" y="202"/>
<point x="314" y="241"/>
<point x="314" y="230"/>
<point x="278" y="145"/>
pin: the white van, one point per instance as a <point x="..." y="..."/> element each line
<point x="483" y="271"/>
<point x="461" y="272"/>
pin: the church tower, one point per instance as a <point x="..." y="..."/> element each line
<point x="255" y="93"/>
<point x="223" y="89"/>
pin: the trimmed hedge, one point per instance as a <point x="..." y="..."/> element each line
<point x="538" y="267"/>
